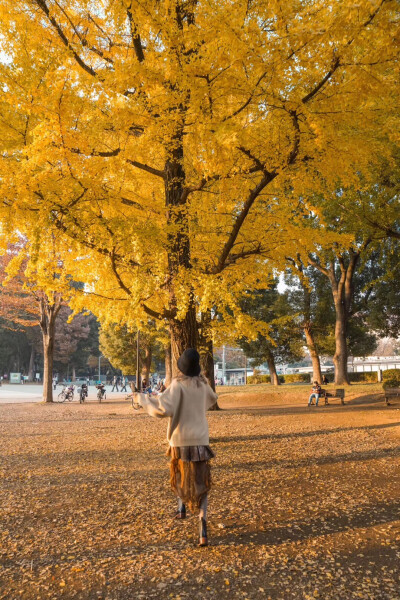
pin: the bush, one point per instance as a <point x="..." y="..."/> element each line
<point x="369" y="377"/>
<point x="391" y="383"/>
<point x="298" y="378"/>
<point x="392" y="374"/>
<point x="258" y="378"/>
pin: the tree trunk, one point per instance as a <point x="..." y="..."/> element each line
<point x="31" y="367"/>
<point x="73" y="373"/>
<point x="342" y="292"/>
<point x="272" y="370"/>
<point x="146" y="363"/>
<point x="184" y="335"/>
<point x="184" y="332"/>
<point x="48" y="314"/>
<point x="206" y="351"/>
<point x="48" y="353"/>
<point x="207" y="362"/>
<point x="168" y="365"/>
<point x="317" y="375"/>
<point x="307" y="326"/>
<point x="340" y="356"/>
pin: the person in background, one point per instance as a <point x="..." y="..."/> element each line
<point x="315" y="393"/>
<point x="325" y="380"/>
<point x="124" y="381"/>
<point x="115" y="384"/>
<point x="185" y="402"/>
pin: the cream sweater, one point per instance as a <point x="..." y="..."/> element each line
<point x="185" y="402"/>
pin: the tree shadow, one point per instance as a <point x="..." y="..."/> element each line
<point x="374" y="402"/>
<point x="300" y="530"/>
<point x="317" y="460"/>
<point x="298" y="434"/>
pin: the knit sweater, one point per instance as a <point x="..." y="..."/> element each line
<point x="185" y="403"/>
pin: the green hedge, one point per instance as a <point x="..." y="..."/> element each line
<point x="391" y="383"/>
<point x="298" y="378"/>
<point x="254" y="379"/>
<point x="391" y="378"/>
<point x="369" y="377"/>
<point x="391" y="374"/>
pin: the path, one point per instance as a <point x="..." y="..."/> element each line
<point x="306" y="504"/>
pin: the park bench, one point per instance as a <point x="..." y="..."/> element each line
<point x="338" y="393"/>
<point x="391" y="393"/>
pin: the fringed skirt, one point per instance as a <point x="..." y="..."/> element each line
<point x="190" y="472"/>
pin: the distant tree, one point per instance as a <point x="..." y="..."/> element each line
<point x="285" y="342"/>
<point x="118" y="344"/>
<point x="41" y="285"/>
<point x="71" y="331"/>
<point x="380" y="306"/>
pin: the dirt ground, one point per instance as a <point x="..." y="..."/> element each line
<point x="305" y="503"/>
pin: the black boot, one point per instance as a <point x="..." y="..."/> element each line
<point x="181" y="512"/>
<point x="203" y="533"/>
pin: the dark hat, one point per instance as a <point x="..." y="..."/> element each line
<point x="189" y="363"/>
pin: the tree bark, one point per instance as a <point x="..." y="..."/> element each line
<point x="183" y="336"/>
<point x="207" y="362"/>
<point x="48" y="354"/>
<point x="341" y="354"/>
<point x="146" y="363"/>
<point x="48" y="314"/>
<point x="307" y="327"/>
<point x="31" y="367"/>
<point x="207" y="352"/>
<point x="272" y="370"/>
<point x="168" y="365"/>
<point x="308" y="332"/>
<point x="184" y="332"/>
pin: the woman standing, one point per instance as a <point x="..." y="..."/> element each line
<point x="185" y="403"/>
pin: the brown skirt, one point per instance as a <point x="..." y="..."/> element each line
<point x="190" y="473"/>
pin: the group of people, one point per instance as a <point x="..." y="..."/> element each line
<point x="119" y="381"/>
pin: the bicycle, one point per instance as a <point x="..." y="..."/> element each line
<point x="133" y="398"/>
<point x="83" y="393"/>
<point x="67" y="393"/>
<point x="101" y="392"/>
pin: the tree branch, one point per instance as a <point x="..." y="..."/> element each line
<point x="255" y="192"/>
<point x="315" y="90"/>
<point x="247" y="102"/>
<point x="117" y="275"/>
<point x="296" y="143"/>
<point x="318" y="266"/>
<point x="233" y="258"/>
<point x="45" y="9"/>
<point x="82" y="39"/>
<point x="166" y="314"/>
<point x="147" y="168"/>
<point x="137" y="43"/>
<point x="336" y="62"/>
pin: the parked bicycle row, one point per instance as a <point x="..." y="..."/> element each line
<point x="67" y="394"/>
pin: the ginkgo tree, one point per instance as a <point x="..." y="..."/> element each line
<point x="158" y="139"/>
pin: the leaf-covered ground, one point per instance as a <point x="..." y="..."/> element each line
<point x="305" y="504"/>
